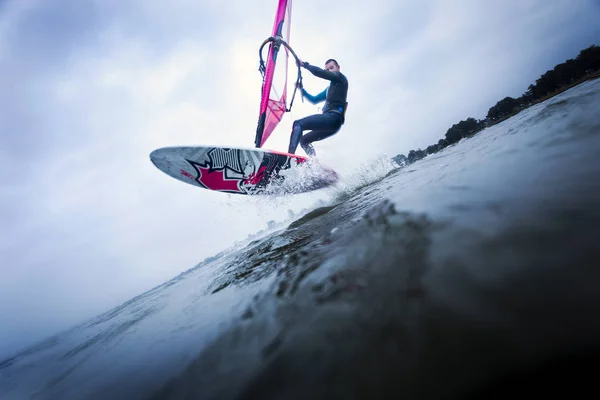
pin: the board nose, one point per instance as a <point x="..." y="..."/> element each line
<point x="154" y="157"/>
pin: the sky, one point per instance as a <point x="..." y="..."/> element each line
<point x="89" y="89"/>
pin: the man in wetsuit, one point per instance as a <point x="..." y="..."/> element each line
<point x="323" y="125"/>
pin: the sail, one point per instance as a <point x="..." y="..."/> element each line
<point x="274" y="95"/>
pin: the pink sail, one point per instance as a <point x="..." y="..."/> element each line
<point x="274" y="91"/>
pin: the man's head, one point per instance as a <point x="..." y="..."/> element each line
<point x="332" y="65"/>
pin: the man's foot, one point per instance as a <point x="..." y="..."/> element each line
<point x="308" y="149"/>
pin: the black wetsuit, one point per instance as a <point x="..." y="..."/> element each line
<point x="334" y="111"/>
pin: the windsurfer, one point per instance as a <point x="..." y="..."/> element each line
<point x="333" y="115"/>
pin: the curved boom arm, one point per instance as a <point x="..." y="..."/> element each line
<point x="278" y="41"/>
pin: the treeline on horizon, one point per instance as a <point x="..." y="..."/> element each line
<point x="560" y="78"/>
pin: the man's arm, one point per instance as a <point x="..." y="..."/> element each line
<point x="321" y="73"/>
<point x="315" y="99"/>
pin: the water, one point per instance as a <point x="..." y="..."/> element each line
<point x="434" y="280"/>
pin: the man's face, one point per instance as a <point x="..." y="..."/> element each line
<point x="330" y="66"/>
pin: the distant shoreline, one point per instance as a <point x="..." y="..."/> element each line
<point x="590" y="77"/>
<point x="564" y="76"/>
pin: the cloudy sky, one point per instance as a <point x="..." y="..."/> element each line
<point x="88" y="89"/>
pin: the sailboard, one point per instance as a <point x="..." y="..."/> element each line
<point x="248" y="171"/>
<point x="257" y="170"/>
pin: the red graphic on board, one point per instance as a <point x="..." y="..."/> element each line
<point x="224" y="171"/>
<point x="216" y="180"/>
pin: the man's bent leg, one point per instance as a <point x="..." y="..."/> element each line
<point x="314" y="136"/>
<point x="312" y="122"/>
<point x="333" y="126"/>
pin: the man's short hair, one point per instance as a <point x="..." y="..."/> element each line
<point x="331" y="59"/>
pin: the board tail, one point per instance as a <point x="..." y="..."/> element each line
<point x="273" y="103"/>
